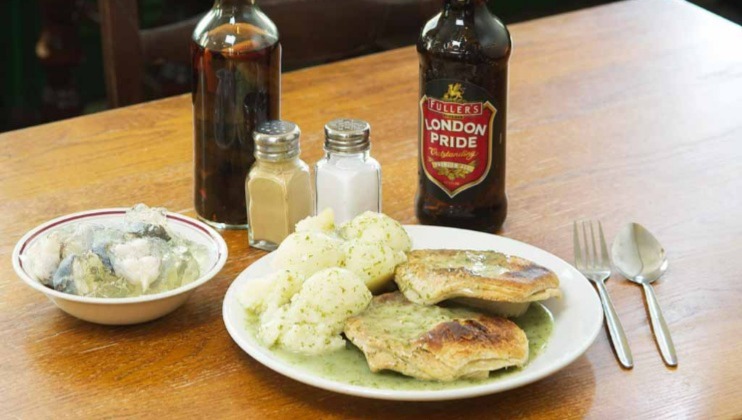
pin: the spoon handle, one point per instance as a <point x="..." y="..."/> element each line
<point x="615" y="330"/>
<point x="661" y="332"/>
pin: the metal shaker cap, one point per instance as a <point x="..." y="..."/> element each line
<point x="347" y="135"/>
<point x="276" y="140"/>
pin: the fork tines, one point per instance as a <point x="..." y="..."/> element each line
<point x="590" y="260"/>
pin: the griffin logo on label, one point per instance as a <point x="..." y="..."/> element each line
<point x="455" y="93"/>
<point x="455" y="143"/>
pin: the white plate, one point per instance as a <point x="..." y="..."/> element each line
<point x="130" y="310"/>
<point x="578" y="318"/>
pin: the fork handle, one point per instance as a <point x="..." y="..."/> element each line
<point x="661" y="332"/>
<point x="618" y="337"/>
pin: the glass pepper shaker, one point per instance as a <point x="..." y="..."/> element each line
<point x="278" y="187"/>
<point x="348" y="179"/>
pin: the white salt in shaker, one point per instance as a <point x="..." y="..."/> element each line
<point x="347" y="179"/>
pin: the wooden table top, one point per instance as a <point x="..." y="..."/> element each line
<point x="626" y="112"/>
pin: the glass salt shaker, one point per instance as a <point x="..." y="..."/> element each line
<point x="278" y="187"/>
<point x="347" y="179"/>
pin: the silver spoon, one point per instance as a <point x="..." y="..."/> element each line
<point x="639" y="257"/>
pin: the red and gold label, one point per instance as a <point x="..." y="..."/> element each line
<point x="455" y="135"/>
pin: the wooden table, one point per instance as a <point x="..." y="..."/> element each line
<point x="628" y="112"/>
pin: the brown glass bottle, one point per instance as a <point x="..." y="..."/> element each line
<point x="464" y="53"/>
<point x="236" y="86"/>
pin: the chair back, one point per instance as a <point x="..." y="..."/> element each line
<point x="311" y="32"/>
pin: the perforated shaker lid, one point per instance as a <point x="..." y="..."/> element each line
<point x="347" y="135"/>
<point x="276" y="140"/>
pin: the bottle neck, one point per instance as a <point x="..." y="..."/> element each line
<point x="459" y="9"/>
<point x="460" y="4"/>
<point x="233" y="3"/>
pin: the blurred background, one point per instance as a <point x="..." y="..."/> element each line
<point x="55" y="67"/>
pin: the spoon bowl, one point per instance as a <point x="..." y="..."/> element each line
<point x="639" y="257"/>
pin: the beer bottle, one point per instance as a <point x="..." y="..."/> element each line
<point x="236" y="57"/>
<point x="464" y="53"/>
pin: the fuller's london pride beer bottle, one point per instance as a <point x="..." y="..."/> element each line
<point x="464" y="53"/>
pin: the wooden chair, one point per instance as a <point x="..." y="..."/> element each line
<point x="312" y="32"/>
<point x="127" y="49"/>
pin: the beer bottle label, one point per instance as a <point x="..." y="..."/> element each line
<point x="456" y="120"/>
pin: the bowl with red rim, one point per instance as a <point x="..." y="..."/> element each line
<point x="128" y="310"/>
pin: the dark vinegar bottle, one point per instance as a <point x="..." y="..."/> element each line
<point x="236" y="86"/>
<point x="464" y="53"/>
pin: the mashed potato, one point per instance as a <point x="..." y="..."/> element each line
<point x="373" y="262"/>
<point x="271" y="291"/>
<point x="312" y="321"/>
<point x="323" y="222"/>
<point x="308" y="253"/>
<point x="324" y="277"/>
<point x="377" y="227"/>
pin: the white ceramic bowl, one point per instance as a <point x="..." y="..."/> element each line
<point x="133" y="310"/>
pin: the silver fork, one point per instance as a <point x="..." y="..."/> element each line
<point x="596" y="266"/>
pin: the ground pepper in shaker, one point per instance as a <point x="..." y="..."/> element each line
<point x="278" y="187"/>
<point x="348" y="179"/>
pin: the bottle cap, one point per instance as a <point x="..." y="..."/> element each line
<point x="347" y="135"/>
<point x="276" y="140"/>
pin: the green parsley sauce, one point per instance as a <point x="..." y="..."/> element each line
<point x="349" y="365"/>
